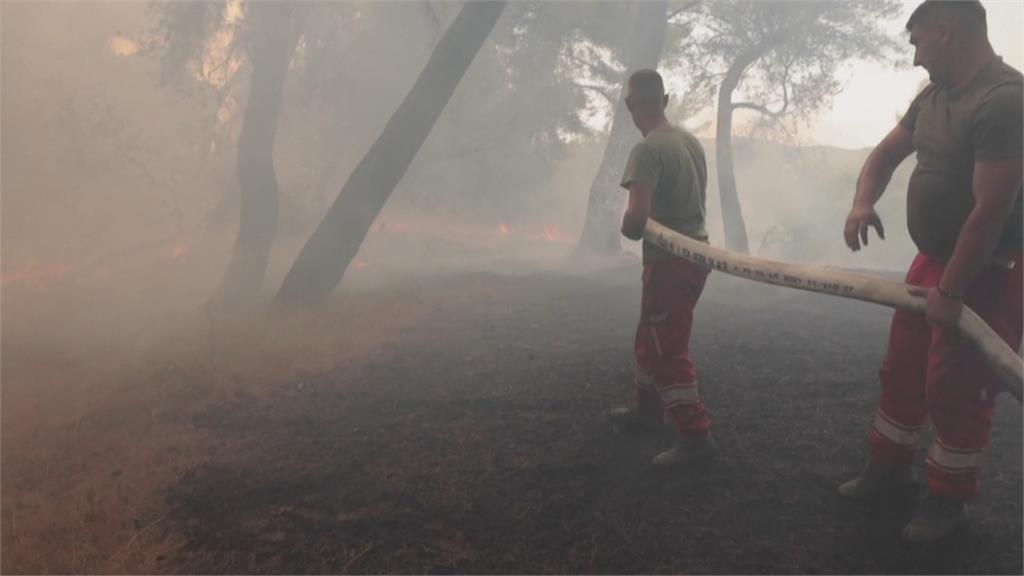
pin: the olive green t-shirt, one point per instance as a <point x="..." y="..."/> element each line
<point x="672" y="161"/>
<point x="951" y="130"/>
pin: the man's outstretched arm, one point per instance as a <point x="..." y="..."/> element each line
<point x="874" y="177"/>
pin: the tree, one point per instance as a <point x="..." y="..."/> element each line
<point x="210" y="47"/>
<point x="325" y="257"/>
<point x="782" y="57"/>
<point x="642" y="49"/>
<point x="272" y="45"/>
<point x="524" y="104"/>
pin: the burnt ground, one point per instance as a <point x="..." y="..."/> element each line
<point x="476" y="442"/>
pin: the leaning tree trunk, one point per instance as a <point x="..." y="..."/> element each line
<point x="732" y="214"/>
<point x="646" y="35"/>
<point x="271" y="52"/>
<point x="325" y="257"/>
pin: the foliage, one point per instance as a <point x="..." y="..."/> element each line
<point x="790" y="52"/>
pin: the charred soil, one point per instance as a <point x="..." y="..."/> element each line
<point x="476" y="442"/>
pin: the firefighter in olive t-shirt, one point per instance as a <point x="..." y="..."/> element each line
<point x="667" y="179"/>
<point x="964" y="215"/>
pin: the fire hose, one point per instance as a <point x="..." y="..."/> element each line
<point x="1007" y="365"/>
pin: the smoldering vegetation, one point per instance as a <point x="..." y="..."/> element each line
<point x="141" y="388"/>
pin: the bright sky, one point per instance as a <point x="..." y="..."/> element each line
<point x="874" y="96"/>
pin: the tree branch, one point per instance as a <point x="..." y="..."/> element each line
<point x="756" y="107"/>
<point x="593" y="68"/>
<point x="785" y="87"/>
<point x="598" y="89"/>
<point x="434" y="20"/>
<point x="208" y="74"/>
<point x="773" y="114"/>
<point x="685" y="8"/>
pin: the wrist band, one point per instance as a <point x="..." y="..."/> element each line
<point x="949" y="295"/>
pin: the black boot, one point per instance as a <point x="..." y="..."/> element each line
<point x="936" y="516"/>
<point x="875" y="481"/>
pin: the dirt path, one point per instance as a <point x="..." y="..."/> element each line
<point x="476" y="443"/>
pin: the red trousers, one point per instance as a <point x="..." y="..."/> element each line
<point x="930" y="372"/>
<point x="664" y="375"/>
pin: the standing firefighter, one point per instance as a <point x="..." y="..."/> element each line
<point x="666" y="177"/>
<point x="964" y="214"/>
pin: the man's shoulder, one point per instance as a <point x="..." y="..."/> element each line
<point x="1008" y="73"/>
<point x="927" y="91"/>
<point x="674" y="137"/>
<point x="925" y="97"/>
<point x="643" y="148"/>
<point x="1001" y="83"/>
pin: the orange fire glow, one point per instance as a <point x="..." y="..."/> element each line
<point x="179" y="251"/>
<point x="35" y="275"/>
<point x="503" y="230"/>
<point x="552" y="234"/>
<point x="122" y="46"/>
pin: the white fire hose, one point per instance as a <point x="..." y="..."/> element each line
<point x="1003" y="360"/>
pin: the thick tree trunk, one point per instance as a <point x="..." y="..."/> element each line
<point x="732" y="214"/>
<point x="271" y="53"/>
<point x="325" y="257"/>
<point x="646" y="35"/>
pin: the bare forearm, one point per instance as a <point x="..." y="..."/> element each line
<point x="881" y="163"/>
<point x="973" y="252"/>
<point x="996" y="186"/>
<point x="635" y="218"/>
<point x="633" y="225"/>
<point x="873" y="179"/>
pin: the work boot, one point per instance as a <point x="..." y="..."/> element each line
<point x="875" y="481"/>
<point x="936" y="516"/>
<point x="635" y="422"/>
<point x="686" y="452"/>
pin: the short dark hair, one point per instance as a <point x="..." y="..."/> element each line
<point x="647" y="87"/>
<point x="970" y="12"/>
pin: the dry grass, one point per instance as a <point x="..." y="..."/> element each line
<point x="101" y="378"/>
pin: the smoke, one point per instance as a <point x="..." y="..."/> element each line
<point x="124" y="186"/>
<point x="120" y="207"/>
<point x="119" y="192"/>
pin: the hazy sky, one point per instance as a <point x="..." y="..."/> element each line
<point x="873" y="96"/>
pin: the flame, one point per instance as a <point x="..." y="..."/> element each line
<point x="503" y="230"/>
<point x="552" y="234"/>
<point x="359" y="263"/>
<point x="36" y="276"/>
<point x="217" y="66"/>
<point x="121" y="46"/>
<point x="179" y="251"/>
<point x="233" y="11"/>
<point x="228" y="110"/>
